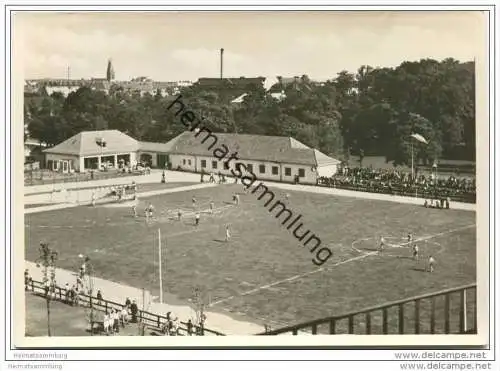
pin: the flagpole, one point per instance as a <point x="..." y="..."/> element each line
<point x="159" y="267"/>
<point x="412" y="171"/>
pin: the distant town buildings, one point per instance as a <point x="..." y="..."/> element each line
<point x="140" y="85"/>
<point x="275" y="86"/>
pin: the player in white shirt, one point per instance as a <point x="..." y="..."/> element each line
<point x="211" y="207"/>
<point x="179" y="214"/>
<point x="432" y="262"/>
<point x="134" y="207"/>
<point x="93" y="198"/>
<point x="382" y="243"/>
<point x="228" y="233"/>
<point x="197" y="219"/>
<point x="415" y="252"/>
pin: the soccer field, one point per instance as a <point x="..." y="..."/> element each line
<point x="264" y="274"/>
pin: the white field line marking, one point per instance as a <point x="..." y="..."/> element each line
<point x="293" y="278"/>
<point x="298" y="276"/>
<point x="358" y="241"/>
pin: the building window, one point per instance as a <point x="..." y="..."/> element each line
<point x="262" y="169"/>
<point x="214" y="164"/>
<point x="275" y="170"/>
<point x="203" y="163"/>
<point x="184" y="161"/>
<point x="288" y="171"/>
<point x="226" y="165"/>
<point x="189" y="162"/>
<point x="250" y="168"/>
<point x="302" y="173"/>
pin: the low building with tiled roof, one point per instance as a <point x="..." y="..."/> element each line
<point x="91" y="149"/>
<point x="267" y="157"/>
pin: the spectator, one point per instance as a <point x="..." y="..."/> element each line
<point x="124" y="316"/>
<point x="106" y="323"/>
<point x="77" y="297"/>
<point x="134" y="310"/>
<point x="26" y="279"/>
<point x="116" y="321"/>
<point x="189" y="326"/>
<point x="127" y="302"/>
<point x="99" y="297"/>
<point x="67" y="293"/>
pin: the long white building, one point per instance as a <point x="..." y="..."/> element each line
<point x="267" y="157"/>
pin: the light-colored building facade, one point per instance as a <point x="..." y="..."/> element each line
<point x="267" y="157"/>
<point x="92" y="150"/>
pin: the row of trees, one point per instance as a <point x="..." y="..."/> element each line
<point x="370" y="112"/>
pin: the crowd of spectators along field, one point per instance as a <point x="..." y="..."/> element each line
<point x="108" y="321"/>
<point x="392" y="181"/>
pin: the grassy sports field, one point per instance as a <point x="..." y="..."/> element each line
<point x="264" y="274"/>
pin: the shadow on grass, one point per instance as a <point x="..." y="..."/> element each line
<point x="219" y="240"/>
<point x="419" y="269"/>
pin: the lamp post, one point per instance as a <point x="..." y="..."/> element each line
<point x="47" y="259"/>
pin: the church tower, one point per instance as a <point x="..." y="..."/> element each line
<point x="110" y="72"/>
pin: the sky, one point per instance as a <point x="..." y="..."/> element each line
<point x="173" y="46"/>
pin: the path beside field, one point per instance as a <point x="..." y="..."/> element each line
<point x="118" y="293"/>
<point x="81" y="197"/>
<point x="154" y="177"/>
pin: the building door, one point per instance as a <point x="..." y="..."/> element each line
<point x="162" y="160"/>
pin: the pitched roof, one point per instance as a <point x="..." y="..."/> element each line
<point x="86" y="144"/>
<point x="250" y="147"/>
<point x="157" y="146"/>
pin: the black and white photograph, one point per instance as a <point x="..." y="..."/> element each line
<point x="200" y="175"/>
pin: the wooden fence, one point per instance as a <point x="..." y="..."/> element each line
<point x="452" y="311"/>
<point x="151" y="320"/>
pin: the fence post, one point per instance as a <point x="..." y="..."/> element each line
<point x="368" y="323"/>
<point x="384" y="321"/>
<point x="433" y="314"/>
<point x="474" y="311"/>
<point x="463" y="312"/>
<point x="401" y="319"/>
<point x="351" y="324"/>
<point x="294" y="331"/>
<point x="332" y="326"/>
<point x="314" y="329"/>
<point x="447" y="313"/>
<point x="417" y="317"/>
